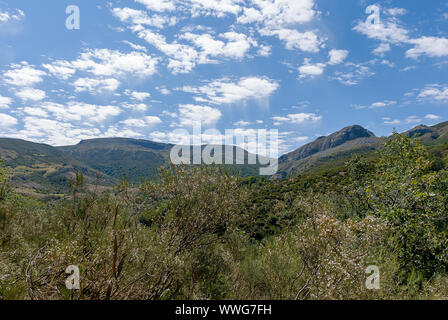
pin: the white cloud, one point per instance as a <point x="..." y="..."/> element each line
<point x="380" y="104"/>
<point x="23" y="75"/>
<point x="279" y="13"/>
<point x="135" y="107"/>
<point x="382" y="49"/>
<point x="60" y="69"/>
<point x="16" y="15"/>
<point x="189" y="114"/>
<point x="390" y="32"/>
<point x="386" y="31"/>
<point x="218" y="8"/>
<point x="80" y="112"/>
<point x="390" y="121"/>
<point x="163" y="90"/>
<point x="337" y="56"/>
<point x="242" y="123"/>
<point x="356" y="72"/>
<point x="138" y="18"/>
<point x="39" y="112"/>
<point x="280" y="18"/>
<point x="301" y="139"/>
<point x="5" y="102"/>
<point x="235" y="45"/>
<point x="297" y="118"/>
<point x="140" y="96"/>
<point x="430" y="46"/>
<point x="264" y="50"/>
<point x="305" y="41"/>
<point x="96" y="85"/>
<point x="135" y="46"/>
<point x="432" y="117"/>
<point x="142" y="123"/>
<point x="434" y="93"/>
<point x="27" y="94"/>
<point x="309" y="69"/>
<point x="224" y="91"/>
<point x="158" y="5"/>
<point x="396" y="11"/>
<point x="105" y="62"/>
<point x="7" y="120"/>
<point x="182" y="58"/>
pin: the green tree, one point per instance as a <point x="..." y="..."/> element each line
<point x="413" y="200"/>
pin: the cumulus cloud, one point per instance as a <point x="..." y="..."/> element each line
<point x="379" y="104"/>
<point x="139" y="17"/>
<point x="23" y="75"/>
<point x="158" y="5"/>
<point x="432" y="117"/>
<point x="434" y="93"/>
<point x="304" y="41"/>
<point x="5" y="102"/>
<point x="107" y="63"/>
<point x="297" y="118"/>
<point x="274" y="18"/>
<point x="30" y="94"/>
<point x="189" y="114"/>
<point x="7" y="120"/>
<point x="225" y="91"/>
<point x="75" y="111"/>
<point x="309" y="69"/>
<point x="396" y="11"/>
<point x="389" y="31"/>
<point x="429" y="46"/>
<point x="140" y="96"/>
<point x="143" y="122"/>
<point x="60" y="69"/>
<point x="355" y="72"/>
<point x="337" y="56"/>
<point x="14" y="15"/>
<point x="94" y="86"/>
<point x="234" y="45"/>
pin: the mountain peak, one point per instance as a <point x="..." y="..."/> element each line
<point x="327" y="142"/>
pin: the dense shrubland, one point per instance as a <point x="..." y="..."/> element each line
<point x="203" y="233"/>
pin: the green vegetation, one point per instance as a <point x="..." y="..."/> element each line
<point x="204" y="233"/>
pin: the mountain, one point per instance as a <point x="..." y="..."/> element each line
<point x="44" y="170"/>
<point x="432" y="135"/>
<point x="41" y="169"/>
<point x="139" y="159"/>
<point x="340" y="146"/>
<point x="117" y="157"/>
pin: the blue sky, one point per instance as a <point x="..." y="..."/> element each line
<point x="145" y="68"/>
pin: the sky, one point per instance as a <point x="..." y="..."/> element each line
<point x="145" y="68"/>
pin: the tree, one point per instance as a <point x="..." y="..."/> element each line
<point x="413" y="200"/>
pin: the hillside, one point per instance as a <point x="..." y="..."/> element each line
<point x="41" y="169"/>
<point x="45" y="170"/>
<point x="117" y="157"/>
<point x="331" y="150"/>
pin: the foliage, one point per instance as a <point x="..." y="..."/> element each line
<point x="412" y="199"/>
<point x="204" y="233"/>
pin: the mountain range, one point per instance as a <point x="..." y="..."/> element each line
<point x="44" y="170"/>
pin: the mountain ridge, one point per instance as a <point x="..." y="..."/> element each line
<point x="44" y="168"/>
